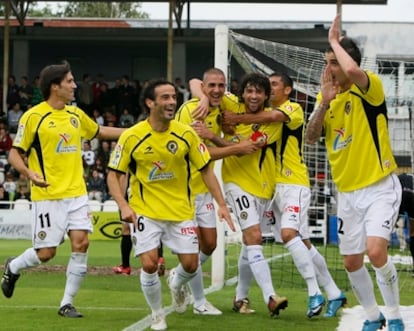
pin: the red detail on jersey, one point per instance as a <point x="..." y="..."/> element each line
<point x="202" y="147"/>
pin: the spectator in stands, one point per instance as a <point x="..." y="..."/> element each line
<point x="351" y="113"/>
<point x="85" y="94"/>
<point x="106" y="99"/>
<point x="25" y="94"/>
<point x="12" y="92"/>
<point x="88" y="154"/>
<point x="97" y="116"/>
<point x="104" y="152"/>
<point x="96" y="89"/>
<point x="125" y="95"/>
<point x="4" y="198"/>
<point x="126" y="120"/>
<point x="37" y="94"/>
<point x="13" y="117"/>
<point x="6" y="142"/>
<point x="96" y="186"/>
<point x="22" y="187"/>
<point x="136" y="94"/>
<point x="10" y="185"/>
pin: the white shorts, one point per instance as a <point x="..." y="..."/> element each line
<point x="205" y="215"/>
<point x="180" y="237"/>
<point x="291" y="206"/>
<point x="248" y="209"/>
<point x="52" y="219"/>
<point x="369" y="212"/>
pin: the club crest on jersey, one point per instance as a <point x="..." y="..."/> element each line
<point x="289" y="108"/>
<point x="244" y="215"/>
<point x="74" y="122"/>
<point x="41" y="235"/>
<point x="172" y="146"/>
<point x="255" y="127"/>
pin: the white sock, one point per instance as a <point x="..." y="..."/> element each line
<point x="197" y="288"/>
<point x="261" y="270"/>
<point x="203" y="257"/>
<point x="181" y="277"/>
<point x="323" y="275"/>
<point x="302" y="259"/>
<point x="75" y="273"/>
<point x="27" y="259"/>
<point x="363" y="288"/>
<point x="245" y="275"/>
<point x="387" y="280"/>
<point x="151" y="287"/>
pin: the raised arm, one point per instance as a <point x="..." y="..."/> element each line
<point x="202" y="109"/>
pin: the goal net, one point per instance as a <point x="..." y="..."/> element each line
<point x="304" y="66"/>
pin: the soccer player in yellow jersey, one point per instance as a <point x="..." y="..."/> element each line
<point x="249" y="182"/>
<point x="292" y="194"/>
<point x="51" y="134"/>
<point x="213" y="87"/>
<point x="158" y="154"/>
<point x="351" y="112"/>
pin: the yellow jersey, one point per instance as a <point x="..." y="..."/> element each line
<point x="213" y="123"/>
<point x="357" y="138"/>
<point x="52" y="139"/>
<point x="290" y="164"/>
<point x="159" y="166"/>
<point x="254" y="173"/>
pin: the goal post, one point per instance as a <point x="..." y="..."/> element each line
<point x="218" y="257"/>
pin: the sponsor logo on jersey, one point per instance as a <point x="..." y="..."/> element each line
<point x="63" y="145"/>
<point x="116" y="156"/>
<point x="19" y="134"/>
<point x="157" y="172"/>
<point x="341" y="141"/>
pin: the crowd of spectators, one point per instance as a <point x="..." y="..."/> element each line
<point x="113" y="104"/>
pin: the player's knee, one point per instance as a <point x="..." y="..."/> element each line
<point x="46" y="254"/>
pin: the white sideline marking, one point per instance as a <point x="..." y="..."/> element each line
<point x="353" y="318"/>
<point x="145" y="323"/>
<point x="80" y="308"/>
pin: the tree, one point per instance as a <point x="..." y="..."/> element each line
<point x="110" y="9"/>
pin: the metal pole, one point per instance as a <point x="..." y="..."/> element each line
<point x="170" y="42"/>
<point x="6" y="45"/>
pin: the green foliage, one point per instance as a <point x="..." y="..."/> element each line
<point x="111" y="9"/>
<point x="103" y="9"/>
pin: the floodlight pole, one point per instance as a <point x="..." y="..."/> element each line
<point x="6" y="53"/>
<point x="170" y="41"/>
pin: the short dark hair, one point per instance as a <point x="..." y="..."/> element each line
<point x="52" y="74"/>
<point x="285" y="78"/>
<point x="350" y="46"/>
<point x="149" y="90"/>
